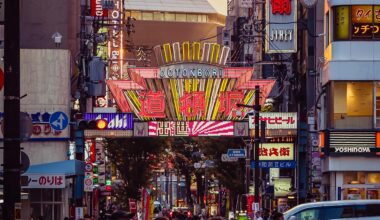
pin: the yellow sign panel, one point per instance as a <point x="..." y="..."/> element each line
<point x="276" y="151"/>
<point x="342" y="23"/>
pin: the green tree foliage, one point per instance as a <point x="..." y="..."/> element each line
<point x="230" y="174"/>
<point x="134" y="159"/>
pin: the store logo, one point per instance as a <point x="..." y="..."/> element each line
<point x="352" y="150"/>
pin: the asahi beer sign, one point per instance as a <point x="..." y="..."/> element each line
<point x="191" y="71"/>
<point x="116" y="121"/>
<point x="281" y="29"/>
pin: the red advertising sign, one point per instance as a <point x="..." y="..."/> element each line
<point x="97" y="9"/>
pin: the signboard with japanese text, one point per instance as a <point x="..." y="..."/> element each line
<point x="115" y="45"/>
<point x="115" y="121"/>
<point x="282" y="187"/>
<point x="276" y="120"/>
<point x="291" y="164"/>
<point x="276" y="151"/>
<point x="191" y="128"/>
<point x="42" y="130"/>
<point x="97" y="9"/>
<point x="357" y="22"/>
<point x="190" y="83"/>
<point x="281" y="30"/>
<point x="42" y="181"/>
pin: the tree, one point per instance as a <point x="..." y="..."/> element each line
<point x="133" y="158"/>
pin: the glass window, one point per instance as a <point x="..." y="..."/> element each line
<point x="136" y="15"/>
<point x="372" y="210"/>
<point x="309" y="214"/>
<point x="169" y="17"/>
<point x="158" y="16"/>
<point x="57" y="195"/>
<point x="377" y="121"/>
<point x="373" y="177"/>
<point x="338" y="212"/>
<point x="147" y="16"/>
<point x="180" y="17"/>
<point x="354" y="178"/>
<point x="57" y="211"/>
<point x="192" y="18"/>
<point x="35" y="195"/>
<point x="47" y="211"/>
<point x="47" y="195"/>
<point x="202" y="18"/>
<point x="35" y="210"/>
<point x="353" y="105"/>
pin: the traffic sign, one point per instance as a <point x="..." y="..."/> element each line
<point x="58" y="121"/>
<point x="88" y="184"/>
<point x="236" y="153"/>
<point x="226" y="158"/>
<point x="88" y="167"/>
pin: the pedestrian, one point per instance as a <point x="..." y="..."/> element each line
<point x="120" y="215"/>
<point x="278" y="216"/>
<point x="259" y="216"/>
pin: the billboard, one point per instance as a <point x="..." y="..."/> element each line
<point x="281" y="30"/>
<point x="276" y="120"/>
<point x="276" y="151"/>
<point x="282" y="187"/>
<point x="115" y="121"/>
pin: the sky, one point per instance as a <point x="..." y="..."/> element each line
<point x="219" y="5"/>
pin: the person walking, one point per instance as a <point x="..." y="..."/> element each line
<point x="278" y="216"/>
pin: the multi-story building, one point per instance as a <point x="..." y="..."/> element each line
<point x="349" y="116"/>
<point x="47" y="66"/>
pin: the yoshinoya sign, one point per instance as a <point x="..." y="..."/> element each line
<point x="281" y="30"/>
<point x="188" y="70"/>
<point x="350" y="142"/>
<point x="276" y="120"/>
<point x="115" y="121"/>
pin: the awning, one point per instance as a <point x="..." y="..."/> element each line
<point x="66" y="167"/>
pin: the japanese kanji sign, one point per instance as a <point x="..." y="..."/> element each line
<point x="281" y="29"/>
<point x="190" y="104"/>
<point x="276" y="151"/>
<point x="276" y="120"/>
<point x="48" y="181"/>
<point x="191" y="128"/>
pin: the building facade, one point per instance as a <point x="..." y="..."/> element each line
<point x="349" y="116"/>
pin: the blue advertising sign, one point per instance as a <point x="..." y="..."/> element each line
<point x="58" y="121"/>
<point x="290" y="164"/>
<point x="236" y="153"/>
<point x="116" y="121"/>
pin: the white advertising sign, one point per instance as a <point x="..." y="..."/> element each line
<point x="276" y="120"/>
<point x="48" y="181"/>
<point x="281" y="30"/>
<point x="88" y="184"/>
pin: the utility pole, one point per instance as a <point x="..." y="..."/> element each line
<point x="257" y="142"/>
<point x="11" y="108"/>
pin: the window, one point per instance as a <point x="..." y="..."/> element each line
<point x="158" y="16"/>
<point x="202" y="18"/>
<point x="180" y="17"/>
<point x="370" y="210"/>
<point x="353" y="105"/>
<point x="192" y="18"/>
<point x="338" y="212"/>
<point x="169" y="17"/>
<point x="357" y="22"/>
<point x="136" y="15"/>
<point x="373" y="178"/>
<point x="147" y="16"/>
<point x="309" y="214"/>
<point x="46" y="202"/>
<point x="354" y="178"/>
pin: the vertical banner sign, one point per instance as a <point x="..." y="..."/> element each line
<point x="115" y="45"/>
<point x="97" y="9"/>
<point x="281" y="30"/>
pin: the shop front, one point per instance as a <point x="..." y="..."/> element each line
<point x="49" y="189"/>
<point x="351" y="165"/>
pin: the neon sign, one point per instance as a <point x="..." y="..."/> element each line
<point x="191" y="71"/>
<point x="190" y="104"/>
<point x="115" y="45"/>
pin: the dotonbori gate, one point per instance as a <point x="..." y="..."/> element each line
<point x="191" y="93"/>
